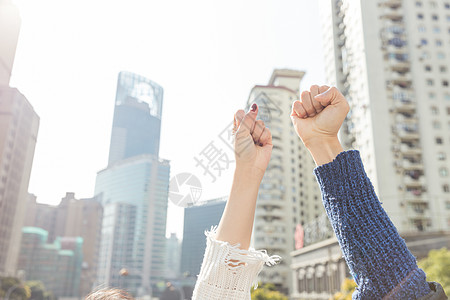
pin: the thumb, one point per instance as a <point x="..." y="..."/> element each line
<point x="330" y="96"/>
<point x="238" y="116"/>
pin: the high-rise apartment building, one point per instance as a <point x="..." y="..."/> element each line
<point x="18" y="133"/>
<point x="198" y="219"/>
<point x="390" y="58"/>
<point x="134" y="191"/>
<point x="288" y="194"/>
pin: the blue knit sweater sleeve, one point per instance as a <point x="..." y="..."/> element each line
<point x="376" y="255"/>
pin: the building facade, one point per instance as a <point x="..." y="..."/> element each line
<point x="18" y="133"/>
<point x="137" y="117"/>
<point x="390" y="58"/>
<point x="319" y="269"/>
<point x="9" y="34"/>
<point x="289" y="194"/>
<point x="71" y="219"/>
<point x="173" y="257"/>
<point x="19" y="126"/>
<point x="198" y="219"/>
<point x="57" y="265"/>
<point x="134" y="191"/>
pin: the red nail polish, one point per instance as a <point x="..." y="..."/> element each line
<point x="254" y="107"/>
<point x="261" y="144"/>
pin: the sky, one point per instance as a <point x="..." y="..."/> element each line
<point x="207" y="55"/>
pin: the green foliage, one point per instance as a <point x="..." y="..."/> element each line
<point x="267" y="291"/>
<point x="18" y="290"/>
<point x="437" y="267"/>
<point x="347" y="288"/>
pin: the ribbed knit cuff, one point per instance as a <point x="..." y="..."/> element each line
<point x="229" y="272"/>
<point x="374" y="251"/>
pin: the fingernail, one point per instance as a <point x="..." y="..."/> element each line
<point x="254" y="107"/>
<point x="261" y="144"/>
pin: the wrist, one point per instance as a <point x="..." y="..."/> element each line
<point x="248" y="174"/>
<point x="324" y="150"/>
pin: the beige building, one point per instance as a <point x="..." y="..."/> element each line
<point x="9" y="34"/>
<point x="289" y="194"/>
<point x="18" y="133"/>
<point x="70" y="219"/>
<point x="391" y="58"/>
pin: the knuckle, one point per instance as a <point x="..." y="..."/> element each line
<point x="314" y="87"/>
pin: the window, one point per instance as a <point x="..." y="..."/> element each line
<point x="446" y="188"/>
<point x="423" y="42"/>
<point x="439" y="141"/>
<point x="448" y="110"/>
<point x="431" y="95"/>
<point x="436" y="125"/>
<point x="433" y="4"/>
<point x="430" y="82"/>
<point x="447" y="96"/>
<point x="444" y="82"/>
<point x="447" y="5"/>
<point x="443" y="172"/>
<point x="422" y="28"/>
<point x="438" y="43"/>
<point x="436" y="29"/>
<point x="425" y="55"/>
<point x="434" y="110"/>
<point x="441" y="156"/>
<point x="428" y="68"/>
<point x="443" y="69"/>
<point x="440" y="55"/>
<point x="418" y="4"/>
<point x="420" y="16"/>
<point x="435" y="17"/>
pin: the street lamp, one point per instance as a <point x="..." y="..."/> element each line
<point x="123" y="273"/>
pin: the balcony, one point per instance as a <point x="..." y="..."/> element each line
<point x="406" y="117"/>
<point x="397" y="60"/>
<point x="406" y="106"/>
<point x="394" y="4"/>
<point x="398" y="78"/>
<point x="411" y="182"/>
<point x="410" y="150"/>
<point x="412" y="165"/>
<point x="393" y="14"/>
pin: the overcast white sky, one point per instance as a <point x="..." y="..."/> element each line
<point x="207" y="55"/>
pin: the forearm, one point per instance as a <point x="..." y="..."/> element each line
<point x="375" y="253"/>
<point x="236" y="224"/>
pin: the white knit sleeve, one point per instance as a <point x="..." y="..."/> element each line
<point x="228" y="272"/>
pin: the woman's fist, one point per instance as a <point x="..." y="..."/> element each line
<point x="253" y="141"/>
<point x="319" y="114"/>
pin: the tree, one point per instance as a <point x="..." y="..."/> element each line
<point x="18" y="290"/>
<point x="437" y="267"/>
<point x="267" y="291"/>
<point x="347" y="288"/>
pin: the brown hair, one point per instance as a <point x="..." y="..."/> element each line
<point x="109" y="294"/>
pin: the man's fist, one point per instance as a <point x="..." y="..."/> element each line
<point x="319" y="114"/>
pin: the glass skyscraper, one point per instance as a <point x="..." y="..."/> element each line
<point x="134" y="191"/>
<point x="137" y="117"/>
